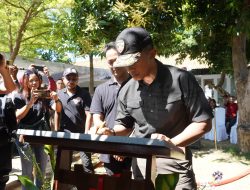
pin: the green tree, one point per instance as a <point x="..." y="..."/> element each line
<point x="93" y="25"/>
<point x="31" y="25"/>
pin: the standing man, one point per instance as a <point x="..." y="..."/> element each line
<point x="75" y="115"/>
<point x="104" y="107"/>
<point x="163" y="101"/>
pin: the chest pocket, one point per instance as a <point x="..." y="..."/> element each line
<point x="172" y="100"/>
<point x="174" y="104"/>
<point x="134" y="105"/>
<point x="134" y="108"/>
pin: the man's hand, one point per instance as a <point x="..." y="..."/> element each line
<point x="101" y="129"/>
<point x="105" y="131"/>
<point x="13" y="71"/>
<point x="165" y="138"/>
<point x="119" y="158"/>
<point x="161" y="137"/>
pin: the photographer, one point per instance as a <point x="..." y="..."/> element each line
<point x="5" y="144"/>
<point x="44" y="71"/>
<point x="33" y="105"/>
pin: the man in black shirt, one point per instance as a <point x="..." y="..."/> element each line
<point x="75" y="115"/>
<point x="163" y="101"/>
<point x="103" y="107"/>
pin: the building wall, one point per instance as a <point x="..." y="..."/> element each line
<point x="56" y="70"/>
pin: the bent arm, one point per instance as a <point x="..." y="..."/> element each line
<point x="192" y="133"/>
<point x="98" y="119"/>
<point x="57" y="121"/>
<point x="9" y="85"/>
<point x="89" y="121"/>
<point x="57" y="105"/>
<point x="52" y="84"/>
<point x="22" y="112"/>
<point x="121" y="130"/>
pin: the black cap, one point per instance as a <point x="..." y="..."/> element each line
<point x="129" y="43"/>
<point x="68" y="71"/>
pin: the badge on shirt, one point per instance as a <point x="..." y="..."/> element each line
<point x="77" y="100"/>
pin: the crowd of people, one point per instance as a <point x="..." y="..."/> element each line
<point x="144" y="99"/>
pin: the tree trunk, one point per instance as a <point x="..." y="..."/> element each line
<point x="219" y="87"/>
<point x="10" y="31"/>
<point x="20" y="34"/>
<point x="242" y="83"/>
<point x="91" y="75"/>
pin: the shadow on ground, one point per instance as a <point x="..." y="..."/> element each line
<point x="206" y="147"/>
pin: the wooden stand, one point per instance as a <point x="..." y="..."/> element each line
<point x="125" y="146"/>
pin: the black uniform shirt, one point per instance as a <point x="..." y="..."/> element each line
<point x="104" y="101"/>
<point x="167" y="106"/>
<point x="36" y="112"/>
<point x="73" y="111"/>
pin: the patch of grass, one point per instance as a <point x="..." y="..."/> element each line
<point x="235" y="151"/>
<point x="232" y="149"/>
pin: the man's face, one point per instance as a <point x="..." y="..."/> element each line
<point x="141" y="68"/>
<point x="111" y="56"/>
<point x="70" y="81"/>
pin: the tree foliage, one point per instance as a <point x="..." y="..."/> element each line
<point x="31" y="25"/>
<point x="216" y="22"/>
<point x="201" y="29"/>
<point x="94" y="24"/>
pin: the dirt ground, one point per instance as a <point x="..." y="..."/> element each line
<point x="206" y="161"/>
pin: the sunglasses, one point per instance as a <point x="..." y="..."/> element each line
<point x="70" y="78"/>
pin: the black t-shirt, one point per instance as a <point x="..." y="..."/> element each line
<point x="104" y="101"/>
<point x="39" y="109"/>
<point x="73" y="112"/>
<point x="167" y="106"/>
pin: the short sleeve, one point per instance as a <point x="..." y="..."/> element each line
<point x="19" y="102"/>
<point x="123" y="117"/>
<point x="87" y="101"/>
<point x="96" y="103"/>
<point x="195" y="101"/>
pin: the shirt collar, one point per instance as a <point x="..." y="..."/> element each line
<point x="112" y="81"/>
<point x="77" y="89"/>
<point x="160" y="76"/>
